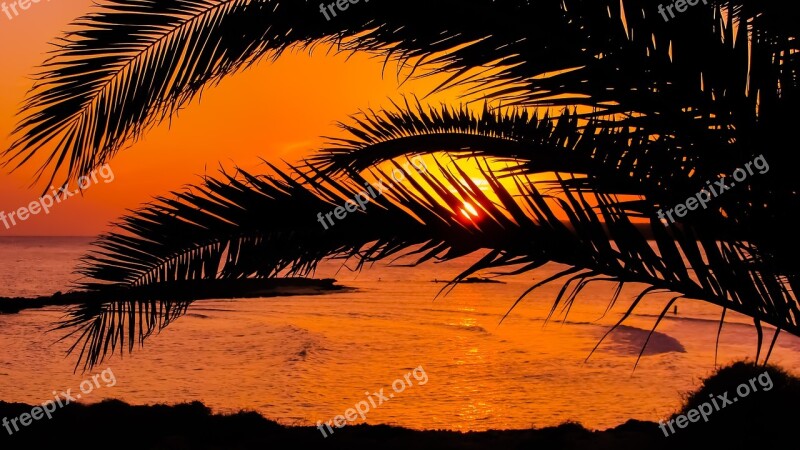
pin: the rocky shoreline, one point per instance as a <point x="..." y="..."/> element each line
<point x="764" y="421"/>
<point x="180" y="291"/>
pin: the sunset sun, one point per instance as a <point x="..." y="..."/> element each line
<point x="469" y="211"/>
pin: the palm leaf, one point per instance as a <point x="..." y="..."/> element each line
<point x="135" y="62"/>
<point x="221" y="229"/>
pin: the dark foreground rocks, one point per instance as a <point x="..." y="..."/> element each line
<point x="762" y="420"/>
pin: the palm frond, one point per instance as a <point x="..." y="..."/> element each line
<point x="133" y="63"/>
<point x="100" y="329"/>
<point x="655" y="110"/>
<point x="251" y="226"/>
<point x="530" y="142"/>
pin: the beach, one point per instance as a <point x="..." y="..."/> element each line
<point x="755" y="423"/>
<point x="301" y="359"/>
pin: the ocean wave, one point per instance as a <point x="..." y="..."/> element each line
<point x="472" y="328"/>
<point x="630" y="340"/>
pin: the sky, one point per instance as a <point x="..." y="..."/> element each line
<point x="274" y="111"/>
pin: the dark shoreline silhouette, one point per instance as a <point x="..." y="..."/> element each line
<point x="762" y="421"/>
<point x="180" y="291"/>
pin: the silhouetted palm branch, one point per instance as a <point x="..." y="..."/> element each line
<point x="265" y="226"/>
<point x="655" y="110"/>
<point x="135" y="62"/>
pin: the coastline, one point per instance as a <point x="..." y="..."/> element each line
<point x="118" y="425"/>
<point x="758" y="422"/>
<point x="180" y="291"/>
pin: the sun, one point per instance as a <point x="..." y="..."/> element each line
<point x="469" y="211"/>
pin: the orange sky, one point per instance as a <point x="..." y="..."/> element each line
<point x="275" y="111"/>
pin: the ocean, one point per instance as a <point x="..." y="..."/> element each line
<point x="299" y="360"/>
